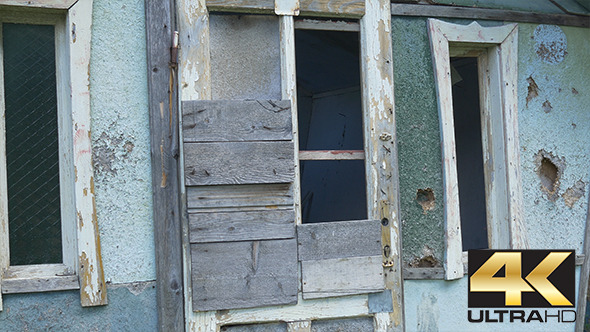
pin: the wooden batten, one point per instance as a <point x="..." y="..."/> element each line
<point x="49" y="4"/>
<point x="321" y="8"/>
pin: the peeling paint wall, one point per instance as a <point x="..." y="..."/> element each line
<point x="121" y="156"/>
<point x="554" y="122"/>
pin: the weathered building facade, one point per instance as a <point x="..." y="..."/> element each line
<point x="293" y="165"/>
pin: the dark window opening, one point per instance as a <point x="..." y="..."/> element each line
<point x="330" y="119"/>
<point x="32" y="155"/>
<point x="468" y="140"/>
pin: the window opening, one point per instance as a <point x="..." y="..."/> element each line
<point x="331" y="144"/>
<point x="468" y="140"/>
<point x="32" y="154"/>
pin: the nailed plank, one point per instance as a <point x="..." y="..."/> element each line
<point x="238" y="163"/>
<point x="339" y="239"/>
<point x="341" y="276"/>
<point x="333" y="8"/>
<point x="248" y="274"/>
<point x="332" y="155"/>
<point x="240" y="197"/>
<point x="242" y="6"/>
<point x="241" y="226"/>
<point x="489" y="14"/>
<point x="163" y="113"/>
<point x="236" y="120"/>
<point x="311" y="24"/>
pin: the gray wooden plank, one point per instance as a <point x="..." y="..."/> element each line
<point x="342" y="276"/>
<point x="241" y="226"/>
<point x="339" y="239"/>
<point x="243" y="196"/>
<point x="239" y="163"/>
<point x="333" y="8"/>
<point x="489" y="14"/>
<point x="40" y="284"/>
<point x="236" y="120"/>
<point x="242" y="6"/>
<point x="160" y="24"/>
<point x="249" y="274"/>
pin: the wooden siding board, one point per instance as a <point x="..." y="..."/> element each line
<point x="241" y="226"/>
<point x="236" y="120"/>
<point x="342" y="239"/>
<point x="248" y="274"/>
<point x="337" y="8"/>
<point x="342" y="276"/>
<point x="238" y="163"/>
<point x="243" y="196"/>
<point x="163" y="113"/>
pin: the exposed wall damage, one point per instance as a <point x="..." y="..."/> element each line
<point x="550" y="169"/>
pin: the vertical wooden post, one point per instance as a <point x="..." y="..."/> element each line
<point x="163" y="110"/>
<point x="381" y="146"/>
<point x="4" y="253"/>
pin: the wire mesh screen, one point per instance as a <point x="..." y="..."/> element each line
<point x="32" y="161"/>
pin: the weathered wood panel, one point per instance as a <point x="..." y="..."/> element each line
<point x="163" y="113"/>
<point x="332" y="155"/>
<point x="337" y="8"/>
<point x="238" y="163"/>
<point x="40" y="284"/>
<point x="339" y="239"/>
<point x="243" y="6"/>
<point x="488" y="14"/>
<point x="52" y="4"/>
<point x="342" y="276"/>
<point x="242" y="226"/>
<point x="239" y="197"/>
<point x="236" y="120"/>
<point x="311" y="24"/>
<point x="244" y="274"/>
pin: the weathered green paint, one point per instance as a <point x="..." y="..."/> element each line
<point x="418" y="136"/>
<point x="130" y="308"/>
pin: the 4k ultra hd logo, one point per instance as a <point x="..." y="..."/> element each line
<point x="521" y="279"/>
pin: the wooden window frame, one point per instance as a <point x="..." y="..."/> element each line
<point x="496" y="50"/>
<point x="82" y="266"/>
<point x="380" y="149"/>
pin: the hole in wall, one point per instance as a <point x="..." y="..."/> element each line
<point x="549" y="169"/>
<point x="425" y="197"/>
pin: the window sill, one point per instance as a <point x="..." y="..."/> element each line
<point x="38" y="278"/>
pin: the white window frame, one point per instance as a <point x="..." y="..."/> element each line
<point x="379" y="141"/>
<point x="82" y="265"/>
<point x="496" y="50"/>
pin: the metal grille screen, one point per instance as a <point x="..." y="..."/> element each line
<point x="32" y="144"/>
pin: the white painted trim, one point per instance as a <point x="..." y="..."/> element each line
<point x="381" y="165"/>
<point x="500" y="58"/>
<point x="50" y="4"/>
<point x="337" y="307"/>
<point x="91" y="274"/>
<point x="287" y="7"/>
<point x="300" y="326"/>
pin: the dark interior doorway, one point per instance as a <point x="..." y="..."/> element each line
<point x="468" y="139"/>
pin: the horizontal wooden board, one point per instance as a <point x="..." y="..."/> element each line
<point x="241" y="226"/>
<point x="243" y="6"/>
<point x="333" y="8"/>
<point x="332" y="155"/>
<point x="339" y="239"/>
<point x="488" y="14"/>
<point x="236" y="120"/>
<point x="342" y="276"/>
<point x="238" y="163"/>
<point x="249" y="274"/>
<point x="241" y="197"/>
<point x="311" y="24"/>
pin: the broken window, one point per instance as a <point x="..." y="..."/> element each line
<point x="330" y="121"/>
